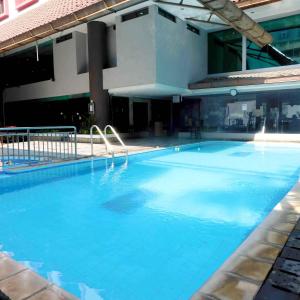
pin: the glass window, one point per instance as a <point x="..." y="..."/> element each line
<point x="135" y="14"/>
<point x="286" y="38"/>
<point x="225" y="47"/>
<point x="271" y="112"/>
<point x="3" y="9"/>
<point x="225" y="51"/>
<point x="166" y="15"/>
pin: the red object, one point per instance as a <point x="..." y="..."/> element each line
<point x="21" y="4"/>
<point x="5" y="13"/>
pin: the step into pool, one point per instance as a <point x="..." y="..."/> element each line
<point x="155" y="228"/>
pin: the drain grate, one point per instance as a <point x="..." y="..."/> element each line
<point x="293" y="243"/>
<point x="295" y="235"/>
<point x="289" y="266"/>
<point x="291" y="253"/>
<point x="285" y="281"/>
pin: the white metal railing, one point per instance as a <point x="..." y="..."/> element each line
<point x="109" y="147"/>
<point x="117" y="136"/>
<point x="263" y="129"/>
<point x="31" y="145"/>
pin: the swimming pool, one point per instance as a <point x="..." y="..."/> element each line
<point x="156" y="228"/>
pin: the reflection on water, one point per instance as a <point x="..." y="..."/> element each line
<point x="54" y="277"/>
<point x="87" y="293"/>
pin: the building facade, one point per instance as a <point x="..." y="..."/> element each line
<point x="149" y="67"/>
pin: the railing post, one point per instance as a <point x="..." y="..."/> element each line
<point x="75" y="141"/>
<point x="92" y="142"/>
<point x="28" y="143"/>
<point x="15" y="146"/>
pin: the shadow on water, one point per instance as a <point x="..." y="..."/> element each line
<point x="241" y="154"/>
<point x="129" y="202"/>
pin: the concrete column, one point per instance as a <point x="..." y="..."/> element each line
<point x="2" y="121"/>
<point x="97" y="62"/>
<point x="130" y="112"/>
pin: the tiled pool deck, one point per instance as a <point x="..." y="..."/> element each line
<point x="20" y="283"/>
<point x="240" y="277"/>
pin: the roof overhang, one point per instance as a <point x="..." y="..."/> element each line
<point x="234" y="16"/>
<point x="246" y="4"/>
<point x="46" y="20"/>
<point x="251" y="78"/>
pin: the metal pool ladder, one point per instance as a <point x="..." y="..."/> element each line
<point x="108" y="145"/>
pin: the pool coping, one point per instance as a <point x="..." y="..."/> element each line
<point x="243" y="273"/>
<point x="18" y="282"/>
<point x="102" y="158"/>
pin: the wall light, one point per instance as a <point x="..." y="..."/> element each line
<point x="233" y="92"/>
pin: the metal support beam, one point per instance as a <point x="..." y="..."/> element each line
<point x="181" y="5"/>
<point x="205" y="21"/>
<point x="244" y="53"/>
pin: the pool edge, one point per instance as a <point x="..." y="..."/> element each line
<point x="19" y="282"/>
<point x="243" y="273"/>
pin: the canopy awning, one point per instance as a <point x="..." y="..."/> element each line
<point x="234" y="16"/>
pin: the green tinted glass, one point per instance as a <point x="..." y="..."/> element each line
<point x="224" y="47"/>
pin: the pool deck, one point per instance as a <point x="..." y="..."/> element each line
<point x="20" y="283"/>
<point x="241" y="277"/>
<point x="134" y="145"/>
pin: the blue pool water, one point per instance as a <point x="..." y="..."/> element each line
<point x="155" y="229"/>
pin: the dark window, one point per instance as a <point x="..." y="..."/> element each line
<point x="29" y="69"/>
<point x="3" y="9"/>
<point x="64" y="38"/>
<point x="135" y="14"/>
<point x="193" y="29"/>
<point x="166" y="15"/>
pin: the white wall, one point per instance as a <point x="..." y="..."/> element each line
<point x="148" y="51"/>
<point x="135" y="44"/>
<point x="154" y="50"/>
<point x="68" y="60"/>
<point x="181" y="56"/>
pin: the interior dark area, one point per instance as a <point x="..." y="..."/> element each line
<point x="27" y="66"/>
<point x="48" y="113"/>
<point x="120" y="113"/>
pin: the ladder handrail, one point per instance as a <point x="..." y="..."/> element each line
<point x="107" y="143"/>
<point x="117" y="137"/>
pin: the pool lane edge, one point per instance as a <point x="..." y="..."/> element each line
<point x="243" y="273"/>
